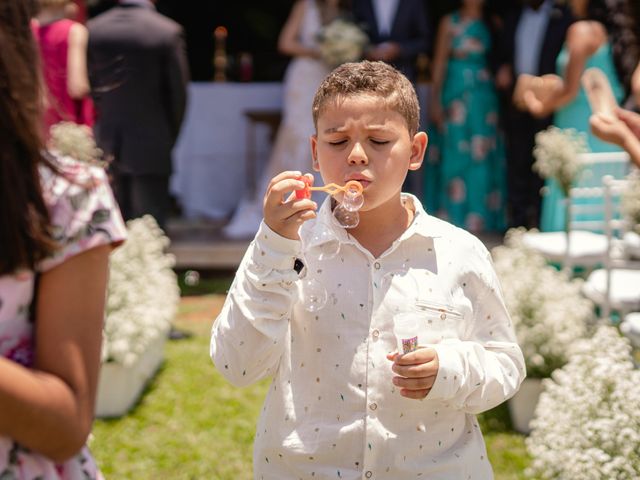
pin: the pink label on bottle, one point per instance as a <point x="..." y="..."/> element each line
<point x="409" y="344"/>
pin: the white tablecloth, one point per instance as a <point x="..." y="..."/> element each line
<point x="209" y="157"/>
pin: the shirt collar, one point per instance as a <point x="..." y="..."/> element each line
<point x="326" y="228"/>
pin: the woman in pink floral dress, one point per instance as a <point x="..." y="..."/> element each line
<point x="58" y="223"/>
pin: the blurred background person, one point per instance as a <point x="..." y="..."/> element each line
<point x="139" y="76"/>
<point x="532" y="38"/>
<point x="305" y="72"/>
<point x="399" y="30"/>
<point x="63" y="52"/>
<point x="465" y="172"/>
<point x="59" y="223"/>
<point x="589" y="43"/>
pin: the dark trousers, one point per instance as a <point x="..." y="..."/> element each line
<point x="139" y="195"/>
<point x="523" y="184"/>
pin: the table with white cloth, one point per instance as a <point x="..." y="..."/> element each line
<point x="209" y="160"/>
<point x="210" y="157"/>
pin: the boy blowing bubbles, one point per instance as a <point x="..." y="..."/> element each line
<point x="340" y="405"/>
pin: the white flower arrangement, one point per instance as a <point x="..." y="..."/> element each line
<point x="143" y="293"/>
<point x="587" y="423"/>
<point x="76" y="141"/>
<point x="341" y="41"/>
<point x="556" y="153"/>
<point x="547" y="309"/>
<point x="630" y="202"/>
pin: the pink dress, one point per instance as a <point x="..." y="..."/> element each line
<point x="53" y="40"/>
<point x="84" y="215"/>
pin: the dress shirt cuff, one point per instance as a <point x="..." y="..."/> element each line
<point x="450" y="373"/>
<point x="274" y="251"/>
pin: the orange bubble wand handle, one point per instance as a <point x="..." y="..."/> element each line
<point x="331" y="188"/>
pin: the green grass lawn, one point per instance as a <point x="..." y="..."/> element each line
<point x="191" y="424"/>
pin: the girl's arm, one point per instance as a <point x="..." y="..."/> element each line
<point x="288" y="41"/>
<point x="583" y="39"/>
<point x="441" y="54"/>
<point x="77" y="76"/>
<point x="49" y="408"/>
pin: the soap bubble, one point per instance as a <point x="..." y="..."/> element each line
<point x="346" y="218"/>
<point x="314" y="295"/>
<point x="352" y="200"/>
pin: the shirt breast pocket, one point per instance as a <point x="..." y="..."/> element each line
<point x="441" y="322"/>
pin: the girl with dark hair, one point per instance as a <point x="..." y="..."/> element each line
<point x="58" y="223"/>
<point x="589" y="44"/>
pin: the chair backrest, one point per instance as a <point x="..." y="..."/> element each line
<point x="615" y="227"/>
<point x="586" y="202"/>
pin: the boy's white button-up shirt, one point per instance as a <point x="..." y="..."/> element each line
<point x="332" y="410"/>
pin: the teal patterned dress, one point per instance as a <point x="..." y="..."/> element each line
<point x="576" y="115"/>
<point x="465" y="169"/>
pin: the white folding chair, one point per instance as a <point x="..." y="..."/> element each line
<point x="615" y="286"/>
<point x="586" y="245"/>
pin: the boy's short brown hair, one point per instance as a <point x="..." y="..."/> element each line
<point x="370" y="78"/>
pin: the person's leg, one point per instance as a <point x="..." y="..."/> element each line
<point x="523" y="185"/>
<point x="150" y="195"/>
<point x="121" y="184"/>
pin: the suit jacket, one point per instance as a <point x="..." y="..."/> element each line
<point x="559" y="21"/>
<point x="410" y="28"/>
<point x="139" y="74"/>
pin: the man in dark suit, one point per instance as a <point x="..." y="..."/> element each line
<point x="398" y="31"/>
<point x="139" y="75"/>
<point x="532" y="39"/>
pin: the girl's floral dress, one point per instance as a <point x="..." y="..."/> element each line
<point x="84" y="215"/>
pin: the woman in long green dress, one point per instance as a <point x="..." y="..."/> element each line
<point x="465" y="171"/>
<point x="588" y="45"/>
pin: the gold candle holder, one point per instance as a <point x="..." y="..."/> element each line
<point x="220" y="54"/>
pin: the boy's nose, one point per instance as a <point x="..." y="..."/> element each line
<point x="357" y="156"/>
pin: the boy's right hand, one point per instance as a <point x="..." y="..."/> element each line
<point x="285" y="213"/>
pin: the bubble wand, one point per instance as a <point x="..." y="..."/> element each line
<point x="352" y="187"/>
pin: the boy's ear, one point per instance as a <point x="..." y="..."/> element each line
<point x="418" y="148"/>
<point x="314" y="152"/>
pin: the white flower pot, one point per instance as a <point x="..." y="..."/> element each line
<point x="523" y="404"/>
<point x="119" y="387"/>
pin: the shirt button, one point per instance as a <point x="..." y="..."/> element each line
<point x="368" y="474"/>
<point x="376" y="265"/>
<point x="375" y="334"/>
<point x="373" y="406"/>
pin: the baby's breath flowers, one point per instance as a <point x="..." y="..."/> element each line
<point x="556" y="153"/>
<point x="587" y="423"/>
<point x="143" y="293"/>
<point x="547" y="309"/>
<point x="630" y="203"/>
<point x="76" y="141"/>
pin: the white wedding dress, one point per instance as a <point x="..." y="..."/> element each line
<point x="291" y="148"/>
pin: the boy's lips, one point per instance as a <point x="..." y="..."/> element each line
<point x="360" y="179"/>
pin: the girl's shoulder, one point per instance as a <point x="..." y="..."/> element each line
<point x="82" y="209"/>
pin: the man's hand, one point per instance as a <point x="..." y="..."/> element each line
<point x="416" y="372"/>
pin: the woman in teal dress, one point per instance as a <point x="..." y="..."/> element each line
<point x="465" y="171"/>
<point x="588" y="44"/>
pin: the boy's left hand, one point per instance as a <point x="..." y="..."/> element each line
<point x="416" y="371"/>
